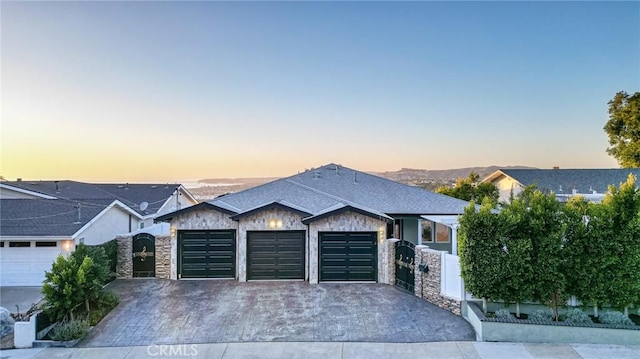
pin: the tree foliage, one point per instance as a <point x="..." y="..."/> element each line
<point x="537" y="249"/>
<point x="64" y="287"/>
<point x="623" y="129"/>
<point x="75" y="280"/>
<point x="471" y="189"/>
<point x="479" y="250"/>
<point x="622" y="207"/>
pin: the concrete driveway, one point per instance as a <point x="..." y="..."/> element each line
<point x="154" y="311"/>
<point x="24" y="297"/>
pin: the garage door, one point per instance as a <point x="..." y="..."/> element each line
<point x="207" y="254"/>
<point x="348" y="256"/>
<point x="24" y="264"/>
<point x="275" y="255"/>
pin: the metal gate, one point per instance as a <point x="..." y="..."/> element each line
<point x="405" y="257"/>
<point x="144" y="259"/>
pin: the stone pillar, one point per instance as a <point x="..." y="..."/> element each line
<point x="163" y="257"/>
<point x="124" y="263"/>
<point x="418" y="275"/>
<point x="431" y="279"/>
<point x="430" y="283"/>
<point x="390" y="263"/>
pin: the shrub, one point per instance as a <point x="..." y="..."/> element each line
<point x="71" y="330"/>
<point x="542" y="315"/>
<point x="576" y="316"/>
<point x="503" y="314"/>
<point x="62" y="288"/>
<point x="111" y="251"/>
<point x="108" y="300"/>
<point x="615" y="317"/>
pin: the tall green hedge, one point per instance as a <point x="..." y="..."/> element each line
<point x="537" y="249"/>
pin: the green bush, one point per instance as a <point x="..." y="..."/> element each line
<point x="71" y="330"/>
<point x="576" y="316"/>
<point x="111" y="251"/>
<point x="108" y="300"/>
<point x="542" y="315"/>
<point x="615" y="317"/>
<point x="64" y="287"/>
<point x="503" y="313"/>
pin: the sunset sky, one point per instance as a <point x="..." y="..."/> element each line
<point x="177" y="91"/>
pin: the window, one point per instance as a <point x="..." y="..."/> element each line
<point x="1" y="244"/>
<point x="19" y="244"/>
<point x="46" y="244"/>
<point x="442" y="233"/>
<point x="427" y="231"/>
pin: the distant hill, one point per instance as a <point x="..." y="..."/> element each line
<point x="209" y="188"/>
<point x="407" y="175"/>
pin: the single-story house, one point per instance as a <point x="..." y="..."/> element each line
<point x="592" y="184"/>
<point x="42" y="219"/>
<point x="323" y="224"/>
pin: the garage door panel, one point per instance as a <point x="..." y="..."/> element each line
<point x="348" y="256"/>
<point x="26" y="266"/>
<point x="275" y="255"/>
<point x="207" y="254"/>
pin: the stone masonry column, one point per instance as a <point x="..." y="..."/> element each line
<point x="163" y="257"/>
<point x="418" y="275"/>
<point x="391" y="260"/>
<point x="124" y="263"/>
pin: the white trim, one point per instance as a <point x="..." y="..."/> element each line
<point x="26" y="191"/>
<point x="34" y="238"/>
<point x="94" y="219"/>
<point x="180" y="190"/>
<point x="187" y="193"/>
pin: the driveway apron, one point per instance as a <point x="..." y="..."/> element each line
<point x="155" y="311"/>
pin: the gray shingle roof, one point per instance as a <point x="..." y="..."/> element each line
<point x="332" y="187"/>
<point x="130" y="194"/>
<point x="566" y="180"/>
<point x="46" y="217"/>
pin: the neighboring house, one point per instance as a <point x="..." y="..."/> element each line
<point x="41" y="219"/>
<point x="324" y="224"/>
<point x="592" y="184"/>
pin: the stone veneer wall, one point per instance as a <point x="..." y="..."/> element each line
<point x="199" y="219"/>
<point x="391" y="260"/>
<point x="428" y="285"/>
<point x="259" y="221"/>
<point x="163" y="257"/>
<point x="348" y="222"/>
<point x="124" y="263"/>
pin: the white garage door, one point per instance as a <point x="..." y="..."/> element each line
<point x="25" y="266"/>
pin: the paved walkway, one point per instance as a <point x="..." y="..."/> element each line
<point x="214" y="311"/>
<point x="282" y="350"/>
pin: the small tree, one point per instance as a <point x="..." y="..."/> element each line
<point x="471" y="189"/>
<point x="518" y="247"/>
<point x="480" y="251"/>
<point x="545" y="221"/>
<point x="622" y="207"/>
<point x="62" y="288"/>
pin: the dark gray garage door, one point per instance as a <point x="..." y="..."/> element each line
<point x="275" y="255"/>
<point x="207" y="254"/>
<point x="348" y="256"/>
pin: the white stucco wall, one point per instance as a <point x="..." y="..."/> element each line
<point x="111" y="223"/>
<point x="178" y="200"/>
<point x="346" y="222"/>
<point x="506" y="185"/>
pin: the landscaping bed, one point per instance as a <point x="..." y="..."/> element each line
<point x="537" y="331"/>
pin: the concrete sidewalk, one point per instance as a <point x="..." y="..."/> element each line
<point x="348" y="350"/>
